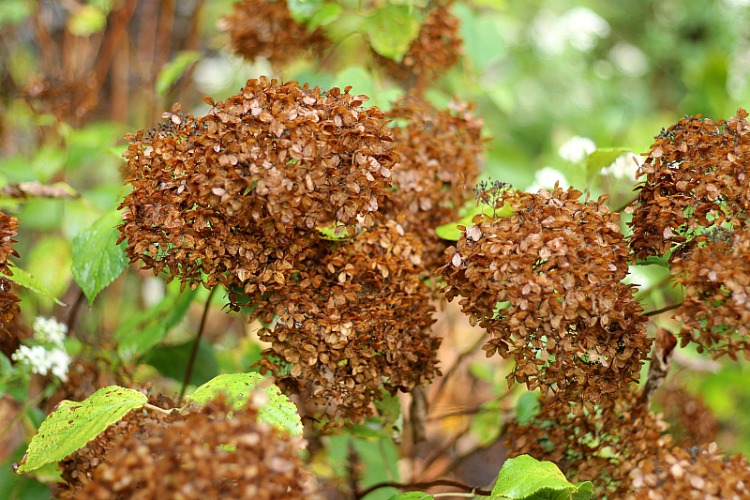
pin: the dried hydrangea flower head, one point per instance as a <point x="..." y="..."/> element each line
<point x="715" y="275"/>
<point x="434" y="51"/>
<point x="546" y="285"/>
<point x="263" y="28"/>
<point x="356" y="323"/>
<point x="9" y="309"/>
<point x="439" y="156"/>
<point x="235" y="197"/>
<point x="581" y="445"/>
<point x="215" y="452"/>
<point x="696" y="178"/>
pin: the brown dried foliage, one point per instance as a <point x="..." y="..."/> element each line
<point x="211" y="453"/>
<point x="434" y="51"/>
<point x="598" y="446"/>
<point x="546" y="285"/>
<point x="236" y="195"/>
<point x="9" y="310"/>
<point x="357" y="322"/>
<point x="692" y="423"/>
<point x="439" y="154"/>
<point x="715" y="312"/>
<point x="693" y="473"/>
<point x="696" y="178"/>
<point x="266" y="29"/>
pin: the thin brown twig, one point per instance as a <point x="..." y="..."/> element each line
<point x="461" y="358"/>
<point x="421" y="486"/>
<point x="626" y="205"/>
<point x="194" y="351"/>
<point x="662" y="310"/>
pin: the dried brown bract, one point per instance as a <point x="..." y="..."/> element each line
<point x="265" y="28"/>
<point x="693" y="473"/>
<point x="546" y="284"/>
<point x="696" y="178"/>
<point x="354" y="324"/>
<point x="715" y="312"/>
<point x="235" y="197"/>
<point x="434" y="51"/>
<point x="582" y="445"/>
<point x="439" y="156"/>
<point x="9" y="309"/>
<point x="212" y="453"/>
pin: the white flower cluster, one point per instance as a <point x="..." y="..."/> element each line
<point x="624" y="167"/>
<point x="50" y="356"/>
<point x="576" y="149"/>
<point x="580" y="28"/>
<point x="546" y="178"/>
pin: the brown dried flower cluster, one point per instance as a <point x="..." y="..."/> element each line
<point x="694" y="473"/>
<point x="439" y="154"/>
<point x="692" y="423"/>
<point x="546" y="285"/>
<point x="715" y="312"/>
<point x="434" y="51"/>
<point x="696" y="178"/>
<point x="9" y="309"/>
<point x="358" y="321"/>
<point x="603" y="447"/>
<point x="68" y="98"/>
<point x="205" y="454"/>
<point x="265" y="28"/>
<point x="234" y="197"/>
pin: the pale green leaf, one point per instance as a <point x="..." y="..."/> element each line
<point x="173" y="70"/>
<point x="392" y="29"/>
<point x="26" y="280"/>
<point x="302" y="10"/>
<point x="86" y="20"/>
<point x="97" y="259"/>
<point x="279" y="411"/>
<point x="72" y="424"/>
<point x="325" y="15"/>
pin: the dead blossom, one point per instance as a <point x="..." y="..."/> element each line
<point x="203" y="454"/>
<point x="263" y="28"/>
<point x="234" y="197"/>
<point x="696" y="178"/>
<point x="9" y="310"/>
<point x="439" y="155"/>
<point x="354" y="323"/>
<point x="715" y="312"/>
<point x="546" y="285"/>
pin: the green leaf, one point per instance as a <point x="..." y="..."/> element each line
<point x="302" y="10"/>
<point x="50" y="261"/>
<point x="14" y="12"/>
<point x="279" y="411"/>
<point x="334" y="232"/>
<point x="97" y="259"/>
<point x="525" y="478"/>
<point x="71" y="425"/>
<point x="412" y="495"/>
<point x="86" y="20"/>
<point x="527" y="407"/>
<point x="26" y="280"/>
<point x="146" y="329"/>
<point x="325" y="15"/>
<point x="174" y="69"/>
<point x="452" y="232"/>
<point x="601" y="158"/>
<point x="171" y="361"/>
<point x="392" y="29"/>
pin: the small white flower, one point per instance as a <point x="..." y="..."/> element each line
<point x="576" y="149"/>
<point x="42" y="361"/>
<point x="48" y="330"/>
<point x="624" y="167"/>
<point x="546" y="178"/>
